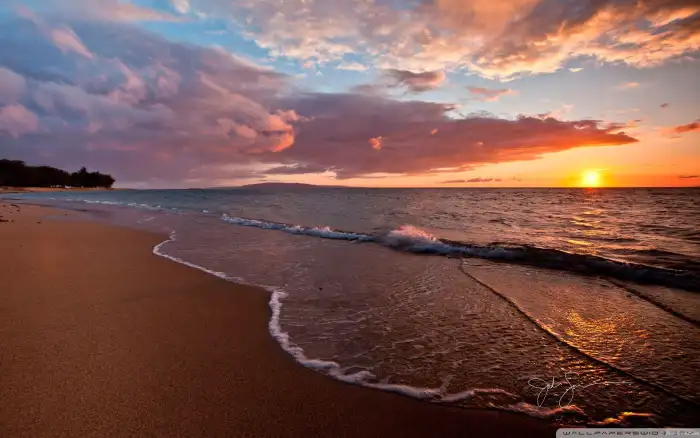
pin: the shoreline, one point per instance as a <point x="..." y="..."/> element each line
<point x="102" y="337"/>
<point x="6" y="190"/>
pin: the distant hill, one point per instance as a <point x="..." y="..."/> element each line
<point x="281" y="185"/>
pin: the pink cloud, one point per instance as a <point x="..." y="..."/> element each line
<point x="490" y="94"/>
<point x="17" y="120"/>
<point x="12" y="86"/>
<point x="335" y="137"/>
<point x="150" y="111"/>
<point x="105" y="10"/>
<point x="66" y="40"/>
<point x="494" y="39"/>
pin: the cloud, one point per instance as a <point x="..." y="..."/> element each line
<point x="182" y="6"/>
<point x="690" y="127"/>
<point x="628" y="85"/>
<point x="65" y="39"/>
<point x="174" y="106"/>
<point x="664" y="105"/>
<point x="17" y="120"/>
<point x="297" y="169"/>
<point x="151" y="112"/>
<point x="558" y="113"/>
<point x="490" y="94"/>
<point x="494" y="39"/>
<point x="473" y="180"/>
<point x="417" y="82"/>
<point x="575" y="70"/>
<point x="339" y="126"/>
<point x="12" y="86"/>
<point x="688" y="176"/>
<point x="352" y="66"/>
<point x="105" y="10"/>
<point x="376" y="143"/>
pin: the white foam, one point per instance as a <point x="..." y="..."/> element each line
<point x="326" y="233"/>
<point x="323" y="232"/>
<point x="157" y="251"/>
<point x="406" y="238"/>
<point x="363" y="378"/>
<point x="410" y="238"/>
<point x="252" y="222"/>
<point x="542" y="412"/>
<point x="471" y="393"/>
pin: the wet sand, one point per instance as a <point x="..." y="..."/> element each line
<point x="8" y="190"/>
<point x="99" y="337"/>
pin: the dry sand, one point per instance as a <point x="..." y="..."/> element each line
<point x="99" y="337"/>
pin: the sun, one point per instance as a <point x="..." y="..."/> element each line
<point x="591" y="178"/>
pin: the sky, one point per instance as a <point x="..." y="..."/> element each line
<point x="380" y="93"/>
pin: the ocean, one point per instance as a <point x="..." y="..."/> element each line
<point x="577" y="305"/>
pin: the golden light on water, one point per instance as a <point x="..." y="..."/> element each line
<point x="591" y="178"/>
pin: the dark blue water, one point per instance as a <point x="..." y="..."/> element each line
<point x="598" y="285"/>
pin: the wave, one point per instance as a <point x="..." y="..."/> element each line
<point x="413" y="239"/>
<point x="323" y="232"/>
<point x="366" y="378"/>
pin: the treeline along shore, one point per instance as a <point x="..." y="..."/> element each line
<point x="14" y="173"/>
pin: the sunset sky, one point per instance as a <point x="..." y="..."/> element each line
<point x="446" y="93"/>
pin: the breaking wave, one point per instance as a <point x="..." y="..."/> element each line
<point x="413" y="239"/>
<point x="364" y="377"/>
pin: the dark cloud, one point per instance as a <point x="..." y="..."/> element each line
<point x="416" y="82"/>
<point x="296" y="170"/>
<point x="688" y="176"/>
<point x="153" y="112"/>
<point x="664" y="105"/>
<point x="419" y="137"/>
<point x="472" y="180"/>
<point x="690" y="127"/>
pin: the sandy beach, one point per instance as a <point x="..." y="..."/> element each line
<point x="99" y="337"/>
<point x="7" y="190"/>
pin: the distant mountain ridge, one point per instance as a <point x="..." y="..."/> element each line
<point x="283" y="185"/>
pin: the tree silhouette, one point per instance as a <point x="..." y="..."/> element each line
<point x="16" y="173"/>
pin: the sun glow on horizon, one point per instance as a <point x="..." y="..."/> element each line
<point x="591" y="178"/>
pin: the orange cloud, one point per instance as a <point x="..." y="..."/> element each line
<point x="472" y="180"/>
<point x="690" y="127"/>
<point x="201" y="107"/>
<point x="628" y="85"/>
<point x="497" y="39"/>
